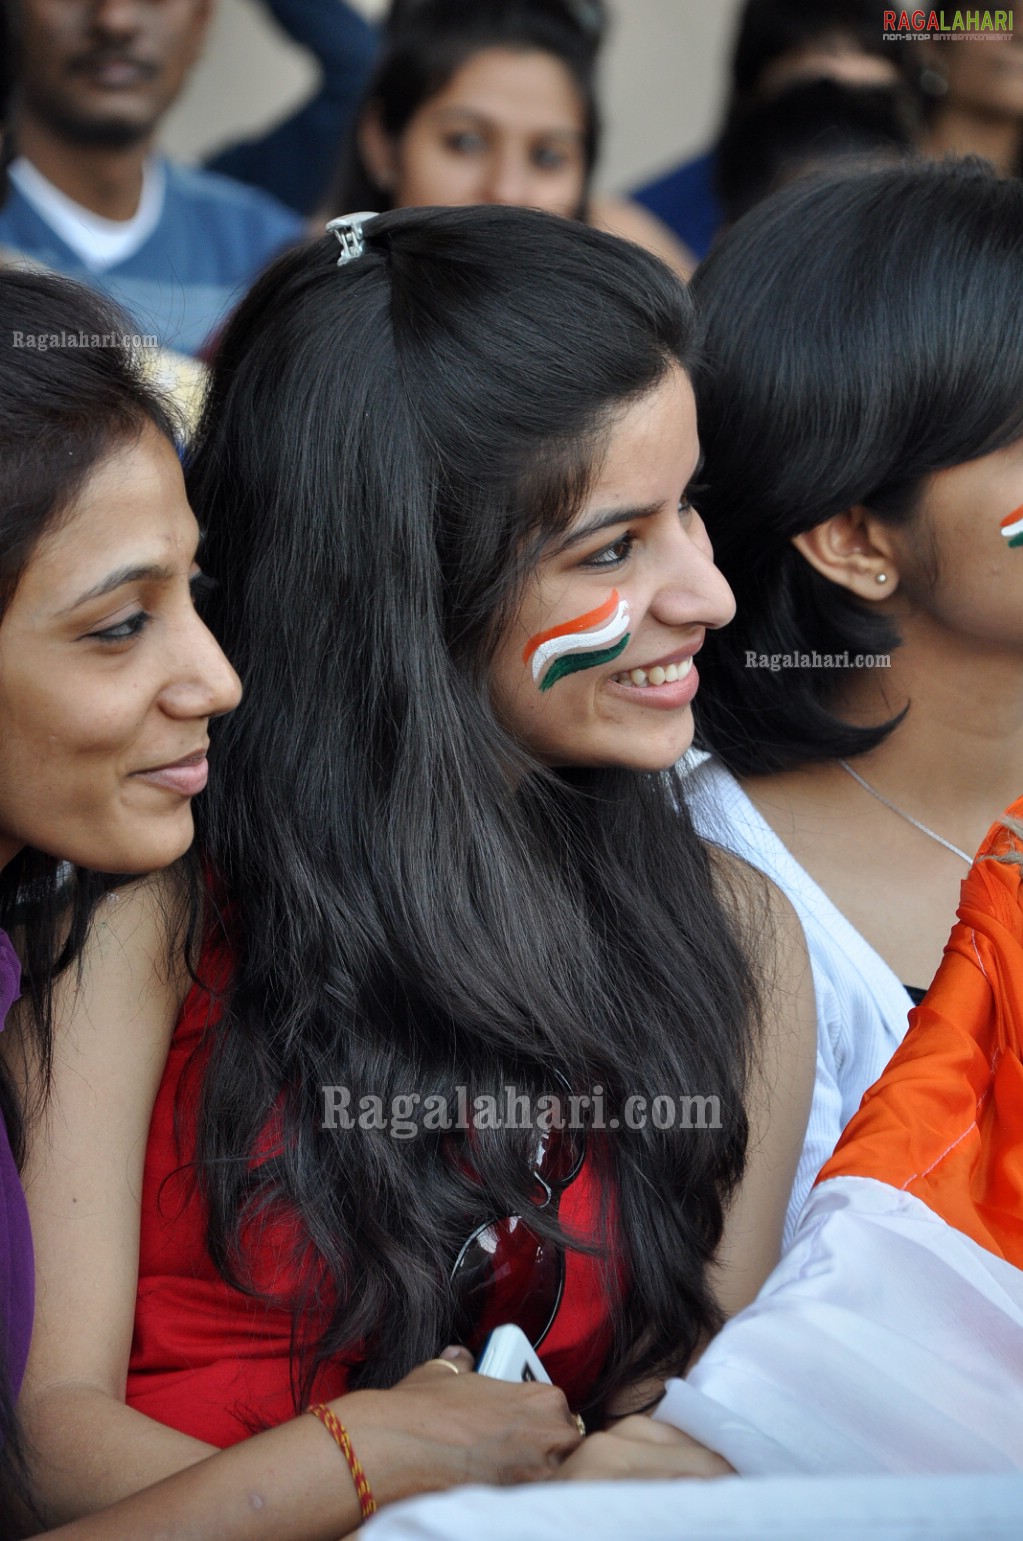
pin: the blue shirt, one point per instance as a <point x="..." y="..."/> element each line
<point x="213" y="237"/>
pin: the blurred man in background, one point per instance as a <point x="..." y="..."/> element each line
<point x="89" y="196"/>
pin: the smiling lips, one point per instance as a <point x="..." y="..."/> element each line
<point x="186" y="776"/>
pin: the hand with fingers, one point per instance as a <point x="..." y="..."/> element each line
<point x="639" y="1448"/>
<point x="436" y="1429"/>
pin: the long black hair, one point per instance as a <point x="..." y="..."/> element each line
<point x="416" y="903"/>
<point x="429" y="41"/>
<point x="862" y="334"/>
<point x="64" y="406"/>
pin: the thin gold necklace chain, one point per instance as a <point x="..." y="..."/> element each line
<point x="956" y="851"/>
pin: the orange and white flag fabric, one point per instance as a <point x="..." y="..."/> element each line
<point x="890" y="1336"/>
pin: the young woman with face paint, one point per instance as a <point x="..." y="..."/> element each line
<point x="444" y="487"/>
<point x="863" y="430"/>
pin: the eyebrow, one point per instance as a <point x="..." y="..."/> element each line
<point x="477" y="116"/>
<point x="117" y="580"/>
<point x="612" y="516"/>
<point x="607" y="521"/>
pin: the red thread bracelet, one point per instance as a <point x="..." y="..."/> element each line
<point x="338" y="1433"/>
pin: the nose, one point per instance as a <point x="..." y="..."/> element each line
<point x="203" y="684"/>
<point x="508" y="179"/>
<point x="693" y="591"/>
<point x="115" y="18"/>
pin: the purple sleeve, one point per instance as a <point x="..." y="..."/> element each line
<point x="16" y="1272"/>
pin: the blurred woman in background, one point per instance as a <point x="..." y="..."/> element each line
<point x="494" y="102"/>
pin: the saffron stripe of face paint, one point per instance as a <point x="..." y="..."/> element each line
<point x="571" y="663"/>
<point x="570" y="638"/>
<point x="1012" y="527"/>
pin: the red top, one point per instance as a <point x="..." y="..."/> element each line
<point x="215" y="1363"/>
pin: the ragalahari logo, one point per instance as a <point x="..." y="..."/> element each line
<point x="927" y="25"/>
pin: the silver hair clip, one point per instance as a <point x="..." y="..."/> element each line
<point x="348" y="229"/>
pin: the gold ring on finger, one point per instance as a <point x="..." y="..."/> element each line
<point x="447" y="1365"/>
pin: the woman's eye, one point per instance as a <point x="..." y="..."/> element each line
<point x="547" y="158"/>
<point x="614" y="555"/>
<point x="464" y="144"/>
<point x="124" y="630"/>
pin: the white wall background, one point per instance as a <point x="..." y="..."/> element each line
<point x="664" y="69"/>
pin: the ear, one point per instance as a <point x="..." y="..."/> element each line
<point x="852" y="549"/>
<point x="377" y="150"/>
<point x="202" y="15"/>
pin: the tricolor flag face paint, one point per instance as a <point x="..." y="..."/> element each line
<point x="1012" y="527"/>
<point x="598" y="637"/>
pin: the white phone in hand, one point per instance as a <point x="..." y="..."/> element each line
<point x="509" y="1355"/>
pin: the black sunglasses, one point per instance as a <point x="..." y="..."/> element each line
<point x="506" y="1272"/>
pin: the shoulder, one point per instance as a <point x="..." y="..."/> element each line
<point x="116" y="1011"/>
<point x="632" y="222"/>
<point x="773" y="933"/>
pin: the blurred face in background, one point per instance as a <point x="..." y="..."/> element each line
<point x="105" y="71"/>
<point x="508" y="127"/>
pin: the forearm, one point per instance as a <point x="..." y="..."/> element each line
<point x="289" y="1484"/>
<point x="292" y="1483"/>
<point x="89" y="1450"/>
<point x="343" y="41"/>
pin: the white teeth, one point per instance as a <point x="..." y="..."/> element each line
<point x="657" y="675"/>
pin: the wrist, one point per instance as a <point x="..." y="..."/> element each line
<point x="395" y="1447"/>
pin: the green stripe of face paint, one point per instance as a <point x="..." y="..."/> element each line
<point x="571" y="663"/>
<point x="1017" y="540"/>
